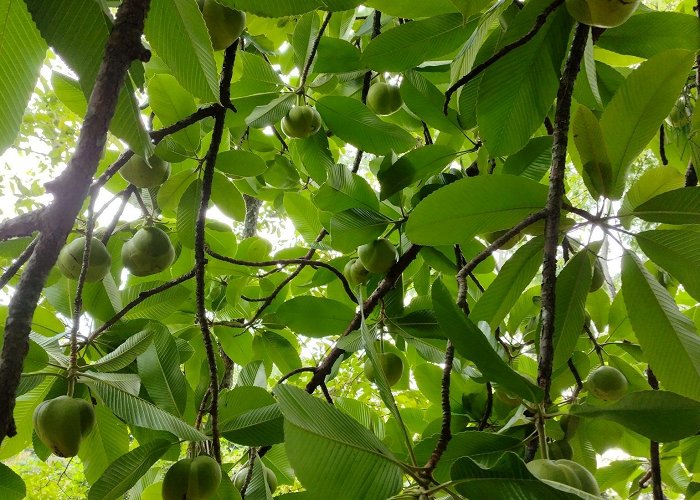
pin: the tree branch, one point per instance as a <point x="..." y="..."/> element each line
<point x="445" y="431"/>
<point x="654" y="459"/>
<point x="69" y="189"/>
<point x="479" y="68"/>
<point x="314" y="49"/>
<point x="13" y="268"/>
<point x="22" y="225"/>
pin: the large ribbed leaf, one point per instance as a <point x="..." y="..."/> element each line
<point x="532" y="161"/>
<point x="515" y="275"/>
<point x="250" y="416"/>
<point x="595" y="164"/>
<point x="332" y="454"/>
<point x="669" y="341"/>
<point x="123" y="473"/>
<point x="171" y="103"/>
<point x="353" y="122"/>
<point x="21" y="53"/>
<point x="77" y="30"/>
<point x="343" y="190"/>
<point x="510" y="110"/>
<point x="304" y="215"/>
<point x="137" y="411"/>
<point x="278" y="8"/>
<point x="677" y="252"/>
<point x="473" y="206"/>
<point x="425" y="100"/>
<point x="414" y="166"/>
<point x="11" y="485"/>
<point x="408" y="45"/>
<point x="573" y="284"/>
<point x="122" y="356"/>
<point x="680" y="206"/>
<point x="662" y="31"/>
<point x="127" y="382"/>
<point x="355" y="227"/>
<point x="411" y="9"/>
<point x="315" y="316"/>
<point x="156" y="307"/>
<point x="108" y="440"/>
<point x="471" y="343"/>
<point x="189" y="56"/>
<point x="651" y="183"/>
<point x="159" y="369"/>
<point x="659" y="415"/>
<point x="634" y="114"/>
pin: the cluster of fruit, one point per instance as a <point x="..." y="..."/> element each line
<point x="148" y="252"/>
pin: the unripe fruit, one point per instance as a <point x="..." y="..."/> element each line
<point x="149" y="251"/>
<point x="378" y="256"/>
<point x="587" y="480"/>
<point x="70" y="260"/>
<point x="270" y="478"/>
<point x="602" y="13"/>
<point x="301" y="122"/>
<point x="384" y="99"/>
<point x="391" y="364"/>
<point x="565" y="472"/>
<point x="607" y="383"/>
<point x="682" y="112"/>
<point x="355" y="272"/>
<point x="144" y="174"/>
<point x="61" y="424"/>
<point x="192" y="479"/>
<point x="225" y="25"/>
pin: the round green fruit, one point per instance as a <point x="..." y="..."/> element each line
<point x="378" y="256"/>
<point x="70" y="260"/>
<point x="391" y="364"/>
<point x="355" y="272"/>
<point x="301" y="122"/>
<point x="607" y="383"/>
<point x="270" y="478"/>
<point x="148" y="252"/>
<point x="61" y="424"/>
<point x="144" y="174"/>
<point x="225" y="25"/>
<point x="585" y="478"/>
<point x="602" y="13"/>
<point x="384" y="99"/>
<point x="192" y="479"/>
<point x="553" y="471"/>
<point x="682" y="112"/>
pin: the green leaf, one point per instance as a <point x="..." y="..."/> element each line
<point x="677" y="252"/>
<point x="409" y="44"/>
<point x="272" y="112"/>
<point x="240" y="163"/>
<point x="353" y="122"/>
<point x="337" y="56"/>
<point x="108" y="440"/>
<point x="472" y="206"/>
<point x="227" y="198"/>
<point x="313" y="156"/>
<point x="508" y="479"/>
<point x="69" y="93"/>
<point x="123" y="473"/>
<point x="573" y="284"/>
<point x="636" y="111"/>
<point x="595" y="163"/>
<point x="274" y="348"/>
<point x="304" y="215"/>
<point x="137" y="411"/>
<point x="155" y="307"/>
<point x="414" y="166"/>
<point x="658" y="415"/>
<point x="355" y="227"/>
<point x="21" y="54"/>
<point x="668" y="338"/>
<point x="125" y="353"/>
<point x="425" y="100"/>
<point x="278" y="8"/>
<point x="651" y="183"/>
<point x="171" y="103"/>
<point x="11" y="485"/>
<point x="532" y="161"/>
<point x="187" y="210"/>
<point x="410" y="9"/>
<point x="515" y="275"/>
<point x="89" y="28"/>
<point x="250" y="416"/>
<point x="315" y="316"/>
<point x="661" y="31"/>
<point x="189" y="56"/>
<point x="344" y="190"/>
<point x="680" y="206"/>
<point x="159" y="369"/>
<point x="509" y="110"/>
<point x="332" y="454"/>
<point x="471" y="343"/>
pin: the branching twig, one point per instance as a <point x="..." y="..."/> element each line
<point x="22" y="225"/>
<point x="13" y="268"/>
<point x="312" y="53"/>
<point x="479" y="68"/>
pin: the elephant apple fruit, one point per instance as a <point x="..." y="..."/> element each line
<point x="602" y="13"/>
<point x="355" y="272"/>
<point x="378" y="256"/>
<point x="270" y="478"/>
<point x="384" y="99"/>
<point x="145" y="174"/>
<point x="192" y="479"/>
<point x="70" y="260"/>
<point x="62" y="423"/>
<point x="148" y="252"/>
<point x="225" y="25"/>
<point x="607" y="383"/>
<point x="391" y="365"/>
<point x="301" y="122"/>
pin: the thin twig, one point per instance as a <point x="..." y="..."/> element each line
<point x="445" y="430"/>
<point x="13" y="268"/>
<point x="312" y="53"/>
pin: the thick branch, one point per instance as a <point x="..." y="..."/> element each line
<point x="70" y="190"/>
<point x="445" y="431"/>
<point x="479" y="68"/>
<point x="553" y="207"/>
<point x="22" y="225"/>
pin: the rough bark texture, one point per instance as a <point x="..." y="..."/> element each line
<point x="69" y="190"/>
